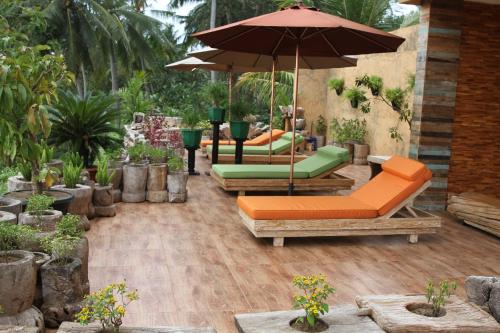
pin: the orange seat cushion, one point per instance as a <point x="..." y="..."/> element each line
<point x="386" y="190"/>
<point x="257" y="141"/>
<point x="305" y="208"/>
<point x="404" y="167"/>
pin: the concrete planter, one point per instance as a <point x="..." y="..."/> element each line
<point x="135" y="177"/>
<point x="40" y="259"/>
<point x="157" y="183"/>
<point x="11" y="205"/>
<point x="68" y="327"/>
<point x="28" y="321"/>
<point x="103" y="201"/>
<point x="17" y="281"/>
<point x="177" y="186"/>
<point x="62" y="290"/>
<point x="46" y="223"/>
<point x="117" y="183"/>
<point x="82" y="252"/>
<point x="17" y="183"/>
<point x="361" y="154"/>
<point x="82" y="198"/>
<point x="6" y="217"/>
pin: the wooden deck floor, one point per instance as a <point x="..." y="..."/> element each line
<point x="196" y="264"/>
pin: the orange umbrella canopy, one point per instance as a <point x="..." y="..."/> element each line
<point x="318" y="35"/>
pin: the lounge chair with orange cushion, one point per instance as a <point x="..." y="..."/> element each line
<point x="257" y="141"/>
<point x="383" y="206"/>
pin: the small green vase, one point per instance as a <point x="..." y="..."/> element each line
<point x="239" y="129"/>
<point x="216" y="114"/>
<point x="191" y="137"/>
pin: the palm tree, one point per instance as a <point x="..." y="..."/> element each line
<point x="259" y="86"/>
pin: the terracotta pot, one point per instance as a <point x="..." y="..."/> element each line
<point x="17" y="281"/>
<point x="46" y="222"/>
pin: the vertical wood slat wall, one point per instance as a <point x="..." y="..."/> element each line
<point x="475" y="157"/>
<point x="435" y="91"/>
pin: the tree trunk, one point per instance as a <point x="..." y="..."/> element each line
<point x="114" y="70"/>
<point x="213" y="15"/>
<point x="84" y="80"/>
<point x="79" y="85"/>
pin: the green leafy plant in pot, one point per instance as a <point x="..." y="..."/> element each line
<point x="356" y="96"/>
<point x="396" y="97"/>
<point x="191" y="135"/>
<point x="373" y="82"/>
<point x="239" y="127"/>
<point x="217" y="93"/>
<point x="337" y="85"/>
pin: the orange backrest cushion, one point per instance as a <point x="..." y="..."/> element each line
<point x="404" y="167"/>
<point x="304" y="208"/>
<point x="386" y="190"/>
<point x="264" y="138"/>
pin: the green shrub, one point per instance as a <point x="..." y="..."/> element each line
<point x="39" y="203"/>
<point x="175" y="164"/>
<point x="70" y="225"/>
<point x="15" y="236"/>
<point x="47" y="154"/>
<point x="137" y="152"/>
<point x="396" y="96"/>
<point x="73" y="158"/>
<point x="190" y="117"/>
<point x="156" y="155"/>
<point x="71" y="174"/>
<point x="216" y="92"/>
<point x="438" y="300"/>
<point x="338" y="85"/>
<point x="5" y="173"/>
<point x="103" y="176"/>
<point x="321" y="126"/>
<point x="60" y="247"/>
<point x="25" y="170"/>
<point x="373" y="82"/>
<point x="239" y="110"/>
<point x="355" y="96"/>
<point x="348" y="130"/>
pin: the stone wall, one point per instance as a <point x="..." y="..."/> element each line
<point x="475" y="163"/>
<point x="394" y="68"/>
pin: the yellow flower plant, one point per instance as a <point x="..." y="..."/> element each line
<point x="315" y="290"/>
<point x="108" y="306"/>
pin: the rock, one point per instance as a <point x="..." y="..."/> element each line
<point x="17" y="183"/>
<point x="27" y="321"/>
<point x="7" y="217"/>
<point x="10" y="205"/>
<point x="17" y="281"/>
<point x="494" y="301"/>
<point x="62" y="291"/>
<point x="478" y="289"/>
<point x="47" y="221"/>
<point x="105" y="211"/>
<point x="103" y="195"/>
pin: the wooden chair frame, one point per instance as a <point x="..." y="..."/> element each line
<point x="327" y="181"/>
<point x="404" y="219"/>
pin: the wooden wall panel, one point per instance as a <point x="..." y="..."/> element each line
<point x="475" y="158"/>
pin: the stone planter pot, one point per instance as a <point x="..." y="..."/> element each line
<point x="62" y="290"/>
<point x="177" y="186"/>
<point x="350" y="149"/>
<point x="82" y="197"/>
<point x="117" y="183"/>
<point x="135" y="177"/>
<point x="17" y="183"/>
<point x="6" y="217"/>
<point x="17" y="281"/>
<point x="28" y="321"/>
<point x="81" y="252"/>
<point x="40" y="259"/>
<point x="361" y="152"/>
<point x="103" y="201"/>
<point x="68" y="327"/>
<point x="56" y="164"/>
<point x="157" y="183"/>
<point x="10" y="205"/>
<point x="46" y="223"/>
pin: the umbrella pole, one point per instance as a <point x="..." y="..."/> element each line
<point x="273" y="92"/>
<point x="294" y="116"/>
<point x="229" y="97"/>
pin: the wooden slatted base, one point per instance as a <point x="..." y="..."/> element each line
<point x="259" y="159"/>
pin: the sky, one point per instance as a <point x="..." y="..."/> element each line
<point x="163" y="4"/>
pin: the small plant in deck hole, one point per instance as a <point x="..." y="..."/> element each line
<point x="108" y="306"/>
<point x="438" y="300"/>
<point x="315" y="290"/>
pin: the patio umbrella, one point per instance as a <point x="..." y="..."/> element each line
<point x="299" y="31"/>
<point x="272" y="64"/>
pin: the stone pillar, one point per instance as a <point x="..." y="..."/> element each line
<point x="435" y="91"/>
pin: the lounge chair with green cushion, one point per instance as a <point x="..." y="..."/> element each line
<point x="314" y="173"/>
<point x="280" y="146"/>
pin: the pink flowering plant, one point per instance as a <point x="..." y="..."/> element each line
<point x="108" y="306"/>
<point x="315" y="289"/>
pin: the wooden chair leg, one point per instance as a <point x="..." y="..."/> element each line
<point x="412" y="239"/>
<point x="279" y="241"/>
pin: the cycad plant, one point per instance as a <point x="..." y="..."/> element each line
<point x="85" y="124"/>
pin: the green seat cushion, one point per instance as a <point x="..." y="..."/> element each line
<point x="326" y="158"/>
<point x="258" y="171"/>
<point x="282" y="144"/>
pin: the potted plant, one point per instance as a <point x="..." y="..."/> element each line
<point x="355" y="96"/>
<point x="39" y="213"/>
<point x="50" y="162"/>
<point x="358" y="134"/>
<point x="116" y="163"/>
<point x="107" y="306"/>
<point x="337" y="85"/>
<point x="217" y="93"/>
<point x="191" y="136"/>
<point x="135" y="174"/>
<point x="82" y="194"/>
<point x="373" y="82"/>
<point x="12" y="206"/>
<point x="239" y="125"/>
<point x="314" y="292"/>
<point x="176" y="180"/>
<point x="61" y="280"/>
<point x="103" y="191"/>
<point x="435" y="300"/>
<point x="396" y="97"/>
<point x="157" y="175"/>
<point x="21" y="182"/>
<point x="321" y="129"/>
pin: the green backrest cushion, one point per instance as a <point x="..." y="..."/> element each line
<point x="326" y="158"/>
<point x="256" y="171"/>
<point x="279" y="146"/>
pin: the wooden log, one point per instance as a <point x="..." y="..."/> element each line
<point x="69" y="327"/>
